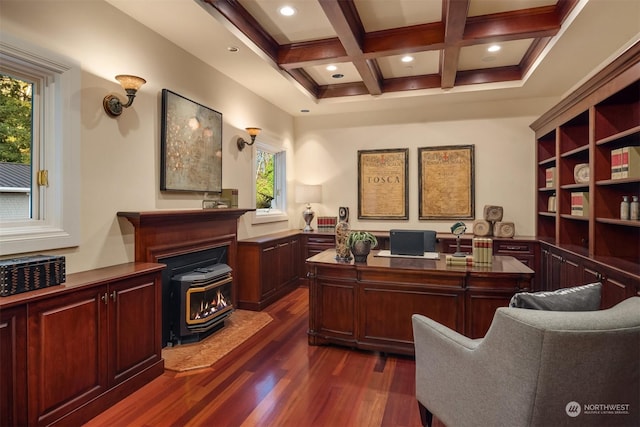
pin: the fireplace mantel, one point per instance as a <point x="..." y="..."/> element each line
<point x="163" y="233"/>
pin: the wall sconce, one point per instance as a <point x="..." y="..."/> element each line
<point x="253" y="132"/>
<point x="308" y="194"/>
<point x="112" y="104"/>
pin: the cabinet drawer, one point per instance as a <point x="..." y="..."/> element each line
<point x="513" y="248"/>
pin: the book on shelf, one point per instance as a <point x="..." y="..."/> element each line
<point x="327" y="222"/>
<point x="630" y="162"/>
<point x="580" y="203"/>
<point x="616" y="163"/>
<point x="550" y="177"/>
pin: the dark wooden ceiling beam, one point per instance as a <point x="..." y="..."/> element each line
<point x="415" y="38"/>
<point x="344" y="19"/>
<point x="455" y="19"/>
<point x="490" y="75"/>
<point x="520" y="24"/>
<point x="309" y="54"/>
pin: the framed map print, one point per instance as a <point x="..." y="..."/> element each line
<point x="446" y="181"/>
<point x="382" y="184"/>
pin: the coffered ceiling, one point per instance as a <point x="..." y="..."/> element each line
<point x="445" y="42"/>
<point x="546" y="47"/>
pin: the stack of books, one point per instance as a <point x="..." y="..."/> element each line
<point x="625" y="162"/>
<point x="550" y="177"/>
<point x="482" y="251"/>
<point x="326" y="223"/>
<point x="463" y="261"/>
<point x="579" y="203"/>
<point x="481" y="255"/>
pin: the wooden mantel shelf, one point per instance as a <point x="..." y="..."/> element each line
<point x="183" y="214"/>
<point x="162" y="233"/>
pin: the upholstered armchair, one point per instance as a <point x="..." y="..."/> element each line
<point x="533" y="368"/>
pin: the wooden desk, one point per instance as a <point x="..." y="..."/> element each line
<point x="369" y="306"/>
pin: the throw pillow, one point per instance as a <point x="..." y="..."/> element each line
<point x="578" y="298"/>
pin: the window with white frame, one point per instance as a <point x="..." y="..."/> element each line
<point x="46" y="87"/>
<point x="270" y="177"/>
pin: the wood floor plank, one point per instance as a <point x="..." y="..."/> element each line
<point x="276" y="378"/>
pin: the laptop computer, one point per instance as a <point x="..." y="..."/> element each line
<point x="412" y="242"/>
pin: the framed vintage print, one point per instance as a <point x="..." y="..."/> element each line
<point x="383" y="188"/>
<point x="446" y="181"/>
<point x="191" y="145"/>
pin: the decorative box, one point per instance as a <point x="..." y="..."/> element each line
<point x="30" y="273"/>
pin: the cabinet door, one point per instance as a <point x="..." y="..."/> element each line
<point x="285" y="266"/>
<point x="294" y="259"/>
<point x="572" y="274"/>
<point x="67" y="353"/>
<point x="134" y="326"/>
<point x="555" y="271"/>
<point x="270" y="270"/>
<point x="13" y="366"/>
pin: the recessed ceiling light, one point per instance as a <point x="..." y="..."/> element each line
<point x="331" y="68"/>
<point x="232" y="49"/>
<point x="493" y="48"/>
<point x="338" y="76"/>
<point x="407" y="58"/>
<point x="287" y="11"/>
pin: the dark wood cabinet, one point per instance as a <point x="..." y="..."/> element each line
<point x="269" y="267"/>
<point x="601" y="116"/>
<point x="369" y="305"/>
<point x="562" y="269"/>
<point x="13" y="366"/>
<point x="68" y="354"/>
<point x="91" y="341"/>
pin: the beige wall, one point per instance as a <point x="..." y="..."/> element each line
<point x="327" y="149"/>
<point x="120" y="158"/>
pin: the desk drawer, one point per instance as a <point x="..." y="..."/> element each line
<point x="513" y="248"/>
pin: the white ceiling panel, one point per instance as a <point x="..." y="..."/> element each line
<point x="424" y="63"/>
<point x="376" y="15"/>
<point x="477" y="57"/>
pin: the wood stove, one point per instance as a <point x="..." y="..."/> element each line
<point x="165" y="236"/>
<point x="201" y="300"/>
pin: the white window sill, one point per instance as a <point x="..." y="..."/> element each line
<point x="264" y="218"/>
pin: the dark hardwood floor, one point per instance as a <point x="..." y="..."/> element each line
<point x="277" y="379"/>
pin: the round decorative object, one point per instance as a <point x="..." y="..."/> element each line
<point x="504" y="229"/>
<point x="482" y="228"/>
<point x="343" y="214"/>
<point x="581" y="173"/>
<point x="493" y="213"/>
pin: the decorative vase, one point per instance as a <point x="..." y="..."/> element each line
<point x="342" y="233"/>
<point x="360" y="251"/>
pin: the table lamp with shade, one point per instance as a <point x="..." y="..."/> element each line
<point x="308" y="194"/>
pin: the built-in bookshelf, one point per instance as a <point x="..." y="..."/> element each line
<point x="579" y="134"/>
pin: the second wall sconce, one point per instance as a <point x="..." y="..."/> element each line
<point x="253" y="132"/>
<point x="112" y="104"/>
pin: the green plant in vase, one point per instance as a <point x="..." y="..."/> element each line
<point x="361" y="243"/>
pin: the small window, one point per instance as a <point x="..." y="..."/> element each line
<point x="39" y="161"/>
<point x="270" y="183"/>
